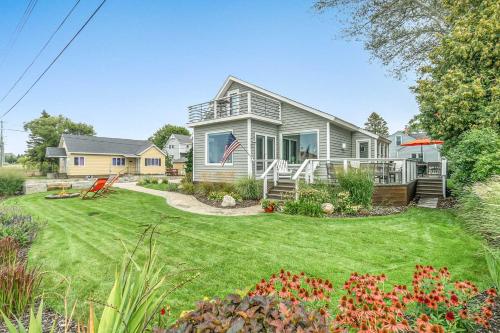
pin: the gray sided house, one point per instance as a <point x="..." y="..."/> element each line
<point x="430" y="153"/>
<point x="269" y="126"/>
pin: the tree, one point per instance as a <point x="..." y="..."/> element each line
<point x="399" y="33"/>
<point x="414" y="125"/>
<point x="161" y="136"/>
<point x="46" y="131"/>
<point x="189" y="162"/>
<point x="377" y="124"/>
<point x="459" y="90"/>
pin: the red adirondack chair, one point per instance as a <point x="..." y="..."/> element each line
<point x="95" y="189"/>
<point x="111" y="181"/>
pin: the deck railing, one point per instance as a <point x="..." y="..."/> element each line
<point x="240" y="104"/>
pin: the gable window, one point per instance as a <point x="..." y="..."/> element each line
<point x="299" y="147"/>
<point x="79" y="160"/>
<point x="118" y="161"/>
<point x="399" y="140"/>
<point x="152" y="161"/>
<point x="216" y="144"/>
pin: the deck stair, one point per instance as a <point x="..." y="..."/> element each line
<point x="284" y="189"/>
<point x="430" y="187"/>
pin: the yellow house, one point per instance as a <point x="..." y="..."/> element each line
<point x="82" y="155"/>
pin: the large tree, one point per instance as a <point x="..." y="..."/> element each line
<point x="46" y="131"/>
<point x="161" y="136"/>
<point x="377" y="124"/>
<point x="459" y="90"/>
<point x="399" y="33"/>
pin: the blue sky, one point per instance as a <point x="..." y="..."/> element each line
<point x="139" y="64"/>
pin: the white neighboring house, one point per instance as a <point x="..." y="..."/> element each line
<point x="177" y="147"/>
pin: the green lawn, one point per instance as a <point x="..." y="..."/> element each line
<point x="81" y="241"/>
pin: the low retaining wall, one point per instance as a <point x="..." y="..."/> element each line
<point x="394" y="195"/>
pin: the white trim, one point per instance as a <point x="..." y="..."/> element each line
<point x="265" y="148"/>
<point x="232" y="91"/>
<point x="327" y="140"/>
<point x="233" y="118"/>
<point x="249" y="147"/>
<point x="299" y="132"/>
<point x="152" y="145"/>
<point x="341" y="122"/>
<point x="369" y="147"/>
<point x="206" y="148"/>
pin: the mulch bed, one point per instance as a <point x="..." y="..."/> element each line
<point x="48" y="319"/>
<point x="375" y="211"/>
<point x="495" y="320"/>
<point x="446" y="203"/>
<point x="216" y="203"/>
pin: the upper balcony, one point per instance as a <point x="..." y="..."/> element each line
<point x="242" y="105"/>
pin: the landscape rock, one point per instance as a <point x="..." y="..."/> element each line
<point x="327" y="208"/>
<point x="228" y="201"/>
<point x="29" y="188"/>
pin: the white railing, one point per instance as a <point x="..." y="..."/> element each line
<point x="240" y="104"/>
<point x="271" y="168"/>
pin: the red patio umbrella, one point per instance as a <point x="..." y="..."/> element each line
<point x="421" y="143"/>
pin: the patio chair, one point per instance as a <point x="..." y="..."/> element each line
<point x="283" y="171"/>
<point x="95" y="190"/>
<point x="110" y="182"/>
<point x="434" y="168"/>
<point x="396" y="171"/>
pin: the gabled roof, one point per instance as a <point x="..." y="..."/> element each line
<point x="325" y="115"/>
<point x="102" y="145"/>
<point x="185" y="139"/>
<point x="54" y="152"/>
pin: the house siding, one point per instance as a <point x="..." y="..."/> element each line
<point x="152" y="152"/>
<point x="431" y="153"/>
<point x="361" y="136"/>
<point x="95" y="165"/>
<point x="338" y="136"/>
<point x="217" y="173"/>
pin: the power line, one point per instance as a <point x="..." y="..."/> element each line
<point x="14" y="130"/>
<point x="55" y="59"/>
<point x="40" y="52"/>
<point x="19" y="28"/>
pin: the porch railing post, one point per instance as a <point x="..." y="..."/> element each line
<point x="264" y="188"/>
<point x="215" y="109"/>
<point x="403" y="173"/>
<point x="345" y="166"/>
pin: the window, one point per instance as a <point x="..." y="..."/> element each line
<point x="419" y="156"/>
<point x="152" y="161"/>
<point x="171" y="146"/>
<point x="399" y="140"/>
<point x="216" y="144"/>
<point x="299" y="147"/>
<point x="118" y="161"/>
<point x="79" y="161"/>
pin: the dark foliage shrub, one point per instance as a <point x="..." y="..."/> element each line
<point x="249" y="188"/>
<point x="359" y="183"/>
<point x="21" y="227"/>
<point x="250" y="314"/>
<point x="11" y="181"/>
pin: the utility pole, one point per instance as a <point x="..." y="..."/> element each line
<point x="2" y="148"/>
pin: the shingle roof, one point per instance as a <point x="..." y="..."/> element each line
<point x="183" y="138"/>
<point x="53" y="152"/>
<point x="102" y="145"/>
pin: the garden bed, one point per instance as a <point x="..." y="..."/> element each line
<point x="218" y="203"/>
<point x="374" y="211"/>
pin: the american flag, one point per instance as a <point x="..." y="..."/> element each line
<point x="231" y="145"/>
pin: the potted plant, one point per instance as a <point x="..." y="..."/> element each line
<point x="268" y="205"/>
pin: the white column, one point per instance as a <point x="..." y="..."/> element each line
<point x="249" y="102"/>
<point x="328" y="141"/>
<point x="249" y="147"/>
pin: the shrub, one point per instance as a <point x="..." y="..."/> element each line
<point x="359" y="183"/>
<point x="171" y="187"/>
<point x="11" y="181"/>
<point x="205" y="188"/>
<point x="14" y="223"/>
<point x="18" y="285"/>
<point x="478" y="207"/>
<point x="249" y="188"/>
<point x="9" y="250"/>
<point x="475" y="157"/>
<point x="219" y="195"/>
<point x="188" y="188"/>
<point x="250" y="314"/>
<point x="291" y="207"/>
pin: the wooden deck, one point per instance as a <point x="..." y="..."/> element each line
<point x="394" y="194"/>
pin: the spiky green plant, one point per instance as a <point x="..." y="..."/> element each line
<point x="35" y="325"/>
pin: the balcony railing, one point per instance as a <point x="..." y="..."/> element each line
<point x="236" y="105"/>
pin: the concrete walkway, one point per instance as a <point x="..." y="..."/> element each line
<point x="428" y="202"/>
<point x="189" y="203"/>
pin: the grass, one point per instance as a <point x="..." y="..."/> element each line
<point x="80" y="241"/>
<point x="160" y="187"/>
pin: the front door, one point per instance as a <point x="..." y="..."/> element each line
<point x="265" y="152"/>
<point x="362" y="149"/>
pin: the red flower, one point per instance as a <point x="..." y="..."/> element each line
<point x="162" y="311"/>
<point x="450" y="316"/>
<point x="491" y="292"/>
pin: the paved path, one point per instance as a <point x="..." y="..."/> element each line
<point x="428" y="202"/>
<point x="189" y="204"/>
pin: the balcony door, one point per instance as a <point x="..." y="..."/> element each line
<point x="265" y="152"/>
